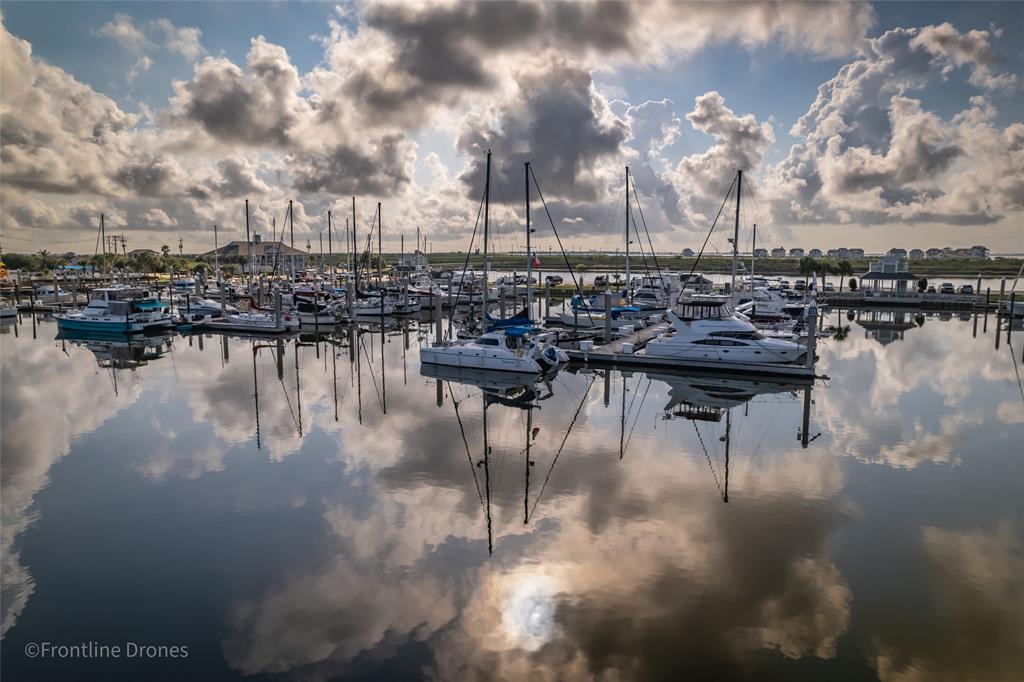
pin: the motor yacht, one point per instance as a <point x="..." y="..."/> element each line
<point x="706" y="328"/>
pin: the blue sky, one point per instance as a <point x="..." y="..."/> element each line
<point x="775" y="79"/>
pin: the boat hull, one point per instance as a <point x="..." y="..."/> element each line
<point x="471" y="358"/>
<point x="111" y="326"/>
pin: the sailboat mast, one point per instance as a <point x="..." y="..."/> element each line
<point x="380" y="250"/>
<point x="529" y="252"/>
<point x="753" y="247"/>
<point x="291" y="219"/>
<point x="628" y="297"/>
<point x="736" y="230"/>
<point x="248" y="240"/>
<point x="355" y="255"/>
<point x="487" y="212"/>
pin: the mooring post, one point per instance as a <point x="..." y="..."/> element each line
<point x="1009" y="320"/>
<point x="812" y="334"/>
<point x="984" y="323"/>
<point x="547" y="299"/>
<point x="277" y="307"/>
<point x="607" y="317"/>
<point x="437" y="319"/>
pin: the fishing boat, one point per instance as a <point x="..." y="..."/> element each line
<point x="256" y="322"/>
<point x="51" y="293"/>
<point x="121" y="308"/>
<point x="705" y="328"/>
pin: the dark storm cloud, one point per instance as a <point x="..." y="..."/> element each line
<point x="557" y="121"/>
<point x="445" y="47"/>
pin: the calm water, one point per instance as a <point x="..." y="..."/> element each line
<point x="353" y="526"/>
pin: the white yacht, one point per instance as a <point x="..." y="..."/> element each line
<point x="512" y="349"/>
<point x="705" y="328"/>
<point x="375" y="306"/>
<point x="118" y="309"/>
<point x="7" y="309"/>
<point x="197" y="306"/>
<point x="52" y="293"/>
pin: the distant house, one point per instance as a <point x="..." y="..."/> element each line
<point x="413" y="262"/>
<point x="760" y="253"/>
<point x="264" y="256"/>
<point x="916" y="254"/>
<point x="689" y="253"/>
<point x="855" y="253"/>
<point x="900" y="253"/>
<point x="815" y="253"/>
<point x="935" y="253"/>
<point x="778" y="252"/>
<point x="796" y="253"/>
<point x="978" y="251"/>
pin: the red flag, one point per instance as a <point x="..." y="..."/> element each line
<point x="536" y="262"/>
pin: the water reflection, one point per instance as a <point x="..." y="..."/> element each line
<point x="327" y="509"/>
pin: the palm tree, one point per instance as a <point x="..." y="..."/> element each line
<point x="44" y="259"/>
<point x="844" y="268"/>
<point x="165" y="251"/>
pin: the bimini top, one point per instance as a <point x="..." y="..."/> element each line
<point x="522" y="330"/>
<point x="703" y="307"/>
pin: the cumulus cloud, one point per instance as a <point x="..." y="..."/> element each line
<point x="156" y="34"/>
<point x="142" y="65"/>
<point x="870" y="153"/>
<point x="555" y="109"/>
<point x="740" y="142"/>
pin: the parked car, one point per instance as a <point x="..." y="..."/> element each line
<point x="967" y="290"/>
<point x="931" y="289"/>
<point x="947" y="288"/>
<point x="553" y="279"/>
<point x="800" y="285"/>
<point x="601" y="281"/>
<point x="784" y="284"/>
<point x="829" y="286"/>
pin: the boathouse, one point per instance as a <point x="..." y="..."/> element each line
<point x="888" y="274"/>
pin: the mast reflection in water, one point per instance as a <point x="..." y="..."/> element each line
<point x="316" y="508"/>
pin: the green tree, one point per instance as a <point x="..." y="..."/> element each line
<point x="853" y="284"/>
<point x="165" y="251"/>
<point x="45" y="261"/>
<point x="922" y="284"/>
<point x="845" y="269"/>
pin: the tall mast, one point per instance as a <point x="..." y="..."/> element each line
<point x="103" y="236"/>
<point x="216" y="252"/>
<point x="380" y="249"/>
<point x="291" y="219"/>
<point x="355" y="255"/>
<point x="529" y="252"/>
<point x="736" y="230"/>
<point x="628" y="297"/>
<point x="753" y="246"/>
<point x="248" y="240"/>
<point x="487" y="212"/>
<point x="330" y="249"/>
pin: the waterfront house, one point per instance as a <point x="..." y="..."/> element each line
<point x="815" y="253"/>
<point x="778" y="252"/>
<point x="916" y="254"/>
<point x="899" y="253"/>
<point x="688" y="253"/>
<point x="796" y="253"/>
<point x="760" y="253"/>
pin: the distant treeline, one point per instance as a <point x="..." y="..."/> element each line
<point x="44" y="261"/>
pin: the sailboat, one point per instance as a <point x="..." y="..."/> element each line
<point x="503" y="348"/>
